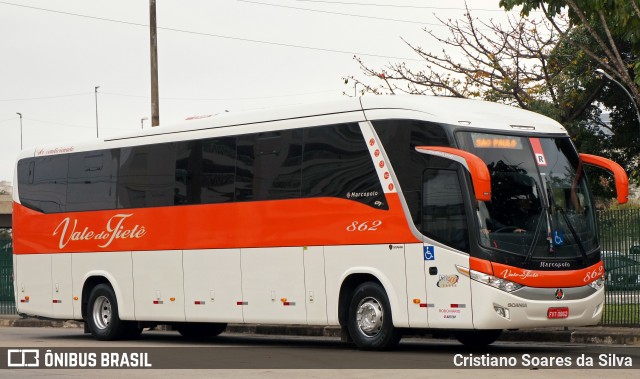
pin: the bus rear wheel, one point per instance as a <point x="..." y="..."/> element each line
<point x="199" y="330"/>
<point x="477" y="338"/>
<point x="103" y="318"/>
<point x="370" y="324"/>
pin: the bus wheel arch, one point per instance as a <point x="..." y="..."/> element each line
<point x="101" y="313"/>
<point x="362" y="297"/>
<point x="89" y="284"/>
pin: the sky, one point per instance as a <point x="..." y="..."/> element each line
<point x="213" y="56"/>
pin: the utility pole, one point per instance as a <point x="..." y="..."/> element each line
<point x="20" y="114"/>
<point x="155" y="104"/>
<point x="97" y="130"/>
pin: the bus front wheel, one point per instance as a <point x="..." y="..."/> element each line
<point x="370" y="324"/>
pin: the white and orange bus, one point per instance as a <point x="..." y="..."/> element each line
<point x="377" y="214"/>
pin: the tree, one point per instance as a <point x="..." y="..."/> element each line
<point x="612" y="36"/>
<point x="537" y="64"/>
<point x="608" y="22"/>
<point x="521" y="63"/>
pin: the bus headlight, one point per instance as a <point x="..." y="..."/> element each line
<point x="493" y="281"/>
<point x="597" y="284"/>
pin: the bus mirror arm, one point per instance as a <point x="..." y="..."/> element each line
<point x="473" y="164"/>
<point x="621" y="178"/>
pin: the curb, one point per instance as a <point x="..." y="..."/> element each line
<point x="597" y="335"/>
<point x="37" y="323"/>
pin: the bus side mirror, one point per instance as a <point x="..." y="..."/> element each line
<point x="621" y="178"/>
<point x="477" y="168"/>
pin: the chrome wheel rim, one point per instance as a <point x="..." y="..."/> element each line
<point x="369" y="316"/>
<point x="102" y="312"/>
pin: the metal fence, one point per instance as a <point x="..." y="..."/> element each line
<point x="7" y="303"/>
<point x="620" y="240"/>
<point x="619" y="236"/>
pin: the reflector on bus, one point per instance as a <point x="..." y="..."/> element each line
<point x="621" y="178"/>
<point x="476" y="167"/>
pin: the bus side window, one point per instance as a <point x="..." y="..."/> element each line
<point x="32" y="166"/>
<point x="399" y="139"/>
<point x="92" y="180"/>
<point x="444" y="217"/>
<point x="269" y="165"/>
<point x="337" y="163"/>
<point x="205" y="171"/>
<point x="147" y="176"/>
<point x="47" y="182"/>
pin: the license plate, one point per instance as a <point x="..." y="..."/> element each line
<point x="562" y="312"/>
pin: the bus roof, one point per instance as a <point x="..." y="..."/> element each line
<point x="468" y="112"/>
<point x="447" y="110"/>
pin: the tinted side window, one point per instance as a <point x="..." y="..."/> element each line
<point x="147" y="175"/>
<point x="92" y="180"/>
<point x="337" y="163"/>
<point x="269" y="165"/>
<point x="400" y="138"/>
<point x="205" y="171"/>
<point x="444" y="217"/>
<point x="43" y="183"/>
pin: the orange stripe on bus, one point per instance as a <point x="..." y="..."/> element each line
<point x="480" y="265"/>
<point x="548" y="279"/>
<point x="297" y="222"/>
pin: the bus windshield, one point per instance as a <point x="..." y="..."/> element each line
<point x="540" y="207"/>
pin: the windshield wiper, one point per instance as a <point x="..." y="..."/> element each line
<point x="574" y="234"/>
<point x="545" y="211"/>
<point x="551" y="200"/>
<point x="532" y="247"/>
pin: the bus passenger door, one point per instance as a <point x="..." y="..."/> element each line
<point x="444" y="220"/>
<point x="416" y="285"/>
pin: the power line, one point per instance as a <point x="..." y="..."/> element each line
<point x="401" y="6"/>
<point x="58" y="123"/>
<point x="218" y="35"/>
<point x="222" y="99"/>
<point x="173" y="98"/>
<point x="46" y="97"/>
<point x="339" y="13"/>
<point x="87" y="127"/>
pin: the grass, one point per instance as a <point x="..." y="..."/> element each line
<point x="621" y="314"/>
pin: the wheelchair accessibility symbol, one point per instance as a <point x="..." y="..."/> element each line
<point x="429" y="253"/>
<point x="558" y="238"/>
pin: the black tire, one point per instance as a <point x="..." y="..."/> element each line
<point x="103" y="318"/>
<point x="200" y="330"/>
<point x="477" y="338"/>
<point x="370" y="323"/>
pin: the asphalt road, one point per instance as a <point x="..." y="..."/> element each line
<point x="269" y="356"/>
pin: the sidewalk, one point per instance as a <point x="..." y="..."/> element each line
<point x="584" y="335"/>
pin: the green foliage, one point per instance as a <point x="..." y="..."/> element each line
<point x="620" y="14"/>
<point x="622" y="17"/>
